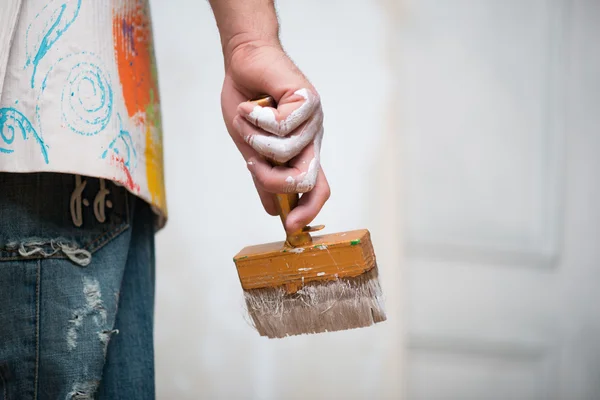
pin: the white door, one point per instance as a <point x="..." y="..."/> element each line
<point x="499" y="115"/>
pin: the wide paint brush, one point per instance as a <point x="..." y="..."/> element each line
<point x="310" y="284"/>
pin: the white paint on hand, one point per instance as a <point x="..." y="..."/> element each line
<point x="264" y="117"/>
<point x="309" y="179"/>
<point x="299" y="115"/>
<point x="304" y="269"/>
<point x="304" y="126"/>
<point x="321" y="274"/>
<point x="290" y="186"/>
<point x="282" y="149"/>
<point x="321" y="247"/>
<point x="297" y="250"/>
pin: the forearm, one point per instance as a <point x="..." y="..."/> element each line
<point x="245" y="21"/>
<point x="255" y="63"/>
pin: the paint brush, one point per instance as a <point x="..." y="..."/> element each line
<point x="310" y="284"/>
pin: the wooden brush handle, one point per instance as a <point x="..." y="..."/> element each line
<point x="286" y="202"/>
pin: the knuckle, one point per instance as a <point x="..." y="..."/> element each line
<point x="271" y="184"/>
<point x="316" y="98"/>
<point x="320" y="117"/>
<point x="287" y="154"/>
<point x="289" y="188"/>
<point x="317" y="102"/>
<point x="260" y="179"/>
<point x="305" y="186"/>
<point x="282" y="156"/>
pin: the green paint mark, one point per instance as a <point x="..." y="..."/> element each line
<point x="238" y="259"/>
<point x="153" y="114"/>
<point x="355" y="242"/>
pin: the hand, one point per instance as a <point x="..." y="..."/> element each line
<point x="291" y="133"/>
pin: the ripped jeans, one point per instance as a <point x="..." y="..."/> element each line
<point x="76" y="289"/>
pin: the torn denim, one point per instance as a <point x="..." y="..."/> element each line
<point x="76" y="289"/>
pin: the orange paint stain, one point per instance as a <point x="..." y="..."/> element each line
<point x="132" y="32"/>
<point x="134" y="52"/>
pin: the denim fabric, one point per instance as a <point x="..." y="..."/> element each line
<point x="76" y="289"/>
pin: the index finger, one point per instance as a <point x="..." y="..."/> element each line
<point x="288" y="115"/>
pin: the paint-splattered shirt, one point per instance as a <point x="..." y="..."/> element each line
<point x="79" y="94"/>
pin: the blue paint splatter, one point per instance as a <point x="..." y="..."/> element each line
<point x="56" y="23"/>
<point x="12" y="120"/>
<point x="127" y="151"/>
<point x="87" y="96"/>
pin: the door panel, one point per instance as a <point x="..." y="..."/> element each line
<point x="487" y="99"/>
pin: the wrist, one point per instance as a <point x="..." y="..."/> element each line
<point x="245" y="22"/>
<point x="244" y="43"/>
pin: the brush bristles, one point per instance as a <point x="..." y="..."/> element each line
<point x="345" y="303"/>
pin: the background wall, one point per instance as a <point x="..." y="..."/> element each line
<point x="205" y="348"/>
<point x="465" y="134"/>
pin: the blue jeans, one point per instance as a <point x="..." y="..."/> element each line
<point x="76" y="289"/>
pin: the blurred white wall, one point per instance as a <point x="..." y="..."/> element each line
<point x="204" y="347"/>
<point x="500" y="136"/>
